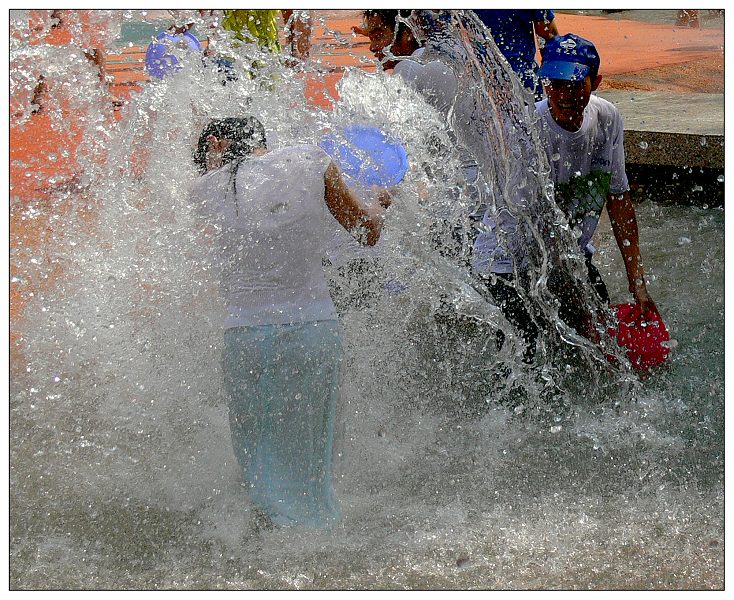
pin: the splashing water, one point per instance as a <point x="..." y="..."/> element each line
<point x="456" y="467"/>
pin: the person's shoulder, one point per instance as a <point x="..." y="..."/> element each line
<point x="408" y="66"/>
<point x="544" y="120"/>
<point x="287" y="150"/>
<point x="606" y="111"/>
<point x="301" y="153"/>
<point x="211" y="177"/>
<point x="302" y="148"/>
<point x="431" y="72"/>
<point x="206" y="186"/>
<point x="541" y="109"/>
<point x="410" y="61"/>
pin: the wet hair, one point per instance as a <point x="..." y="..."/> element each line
<point x="245" y="134"/>
<point x="390" y="18"/>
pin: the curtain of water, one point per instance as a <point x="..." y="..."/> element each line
<point x="122" y="473"/>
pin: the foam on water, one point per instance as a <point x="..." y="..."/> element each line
<point x="456" y="468"/>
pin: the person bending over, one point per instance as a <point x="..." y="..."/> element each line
<point x="270" y="216"/>
<point x="583" y="137"/>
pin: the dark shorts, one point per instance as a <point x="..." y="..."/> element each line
<point x="501" y="287"/>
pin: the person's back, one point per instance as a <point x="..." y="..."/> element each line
<point x="275" y="229"/>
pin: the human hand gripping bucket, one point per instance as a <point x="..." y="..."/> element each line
<point x="643" y="336"/>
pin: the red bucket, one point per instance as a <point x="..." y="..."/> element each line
<point x="643" y="336"/>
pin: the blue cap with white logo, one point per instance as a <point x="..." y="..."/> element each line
<point x="569" y="57"/>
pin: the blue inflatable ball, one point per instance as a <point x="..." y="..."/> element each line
<point x="158" y="60"/>
<point x="367" y="154"/>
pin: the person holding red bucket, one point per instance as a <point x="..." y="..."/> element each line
<point x="584" y="140"/>
<point x="583" y="136"/>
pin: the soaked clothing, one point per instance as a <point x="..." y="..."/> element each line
<point x="435" y="81"/>
<point x="501" y="290"/>
<point x="438" y="84"/>
<point x="586" y="165"/>
<point x="514" y="33"/>
<point x="497" y="127"/>
<point x="254" y="25"/>
<point x="282" y="351"/>
<point x="489" y="254"/>
<point x="484" y="135"/>
<point x="274" y="231"/>
<point x="283" y="384"/>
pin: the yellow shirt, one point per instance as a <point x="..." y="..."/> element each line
<point x="254" y="25"/>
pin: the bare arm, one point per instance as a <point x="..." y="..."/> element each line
<point x="546" y="29"/>
<point x="624" y="225"/>
<point x="348" y="210"/>
<point x="298" y="32"/>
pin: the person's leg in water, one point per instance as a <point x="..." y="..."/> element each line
<point x="572" y="309"/>
<point x="283" y="382"/>
<point x="502" y="290"/>
<point x="596" y="281"/>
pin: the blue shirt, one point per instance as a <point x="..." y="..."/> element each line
<point x="514" y="33"/>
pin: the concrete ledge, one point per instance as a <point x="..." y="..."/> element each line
<point x="674" y="149"/>
<point x="676" y="130"/>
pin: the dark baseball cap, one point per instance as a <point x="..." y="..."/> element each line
<point x="569" y="57"/>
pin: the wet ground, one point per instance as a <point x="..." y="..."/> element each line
<point x="674" y="58"/>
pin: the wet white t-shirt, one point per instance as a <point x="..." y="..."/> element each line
<point x="586" y="165"/>
<point x="272" y="235"/>
<point x="434" y="80"/>
<point x="437" y="83"/>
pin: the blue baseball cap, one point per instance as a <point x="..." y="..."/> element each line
<point x="569" y="57"/>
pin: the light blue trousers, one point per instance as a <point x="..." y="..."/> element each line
<point x="283" y="383"/>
